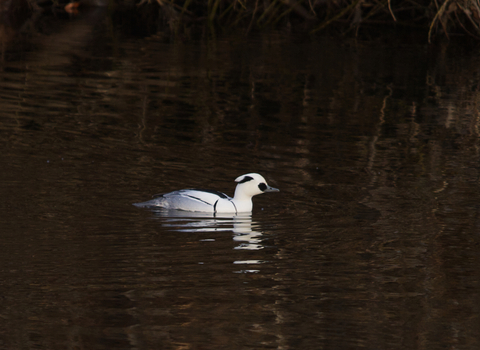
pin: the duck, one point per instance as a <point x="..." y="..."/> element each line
<point x="210" y="201"/>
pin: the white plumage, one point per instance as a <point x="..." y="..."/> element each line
<point x="208" y="201"/>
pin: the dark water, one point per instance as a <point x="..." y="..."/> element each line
<point x="373" y="241"/>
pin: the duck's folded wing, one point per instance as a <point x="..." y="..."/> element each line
<point x="190" y="200"/>
<point x="193" y="199"/>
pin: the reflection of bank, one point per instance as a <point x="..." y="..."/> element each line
<point x="241" y="225"/>
<point x="13" y="15"/>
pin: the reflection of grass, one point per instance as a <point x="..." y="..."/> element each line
<point x="436" y="16"/>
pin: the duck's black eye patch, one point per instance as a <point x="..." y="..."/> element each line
<point x="245" y="179"/>
<point x="262" y="186"/>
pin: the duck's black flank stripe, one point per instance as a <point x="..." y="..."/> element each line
<point x="236" y="211"/>
<point x="198" y="199"/>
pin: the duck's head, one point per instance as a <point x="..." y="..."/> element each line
<point x="250" y="185"/>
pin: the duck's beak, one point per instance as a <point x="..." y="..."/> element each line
<point x="271" y="189"/>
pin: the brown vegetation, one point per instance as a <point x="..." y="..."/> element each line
<point x="434" y="16"/>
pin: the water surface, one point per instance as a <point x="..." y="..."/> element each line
<point x="371" y="243"/>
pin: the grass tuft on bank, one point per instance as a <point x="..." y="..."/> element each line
<point x="435" y="17"/>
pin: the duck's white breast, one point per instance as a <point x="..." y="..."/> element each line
<point x="225" y="206"/>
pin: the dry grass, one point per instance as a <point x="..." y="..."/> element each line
<point x="438" y="18"/>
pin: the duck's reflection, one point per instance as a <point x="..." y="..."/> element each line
<point x="244" y="229"/>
